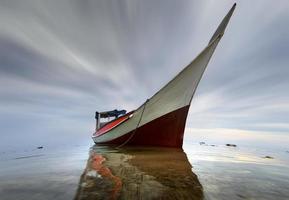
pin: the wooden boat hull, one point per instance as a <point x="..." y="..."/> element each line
<point x="161" y="120"/>
<point x="167" y="130"/>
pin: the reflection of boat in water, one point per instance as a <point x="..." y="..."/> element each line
<point x="160" y="121"/>
<point x="138" y="173"/>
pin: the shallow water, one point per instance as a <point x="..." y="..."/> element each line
<point x="81" y="172"/>
<point x="138" y="173"/>
<point x="240" y="173"/>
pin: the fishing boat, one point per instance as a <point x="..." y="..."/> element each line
<point x="161" y="119"/>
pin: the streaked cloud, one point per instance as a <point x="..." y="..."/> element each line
<point x="62" y="60"/>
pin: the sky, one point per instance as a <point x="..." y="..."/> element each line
<point x="60" y="61"/>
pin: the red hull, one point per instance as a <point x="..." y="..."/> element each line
<point x="167" y="130"/>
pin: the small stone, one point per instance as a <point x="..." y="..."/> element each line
<point x="231" y="145"/>
<point x="268" y="157"/>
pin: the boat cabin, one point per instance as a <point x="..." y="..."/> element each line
<point x="103" y="118"/>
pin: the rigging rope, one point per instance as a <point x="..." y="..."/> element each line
<point x="134" y="132"/>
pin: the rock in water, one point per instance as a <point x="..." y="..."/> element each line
<point x="268" y="157"/>
<point x="231" y="145"/>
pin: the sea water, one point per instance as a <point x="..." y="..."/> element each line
<point x="100" y="172"/>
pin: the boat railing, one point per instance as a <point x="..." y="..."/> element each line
<point x="107" y="115"/>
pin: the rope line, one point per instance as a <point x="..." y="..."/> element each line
<point x="134" y="132"/>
